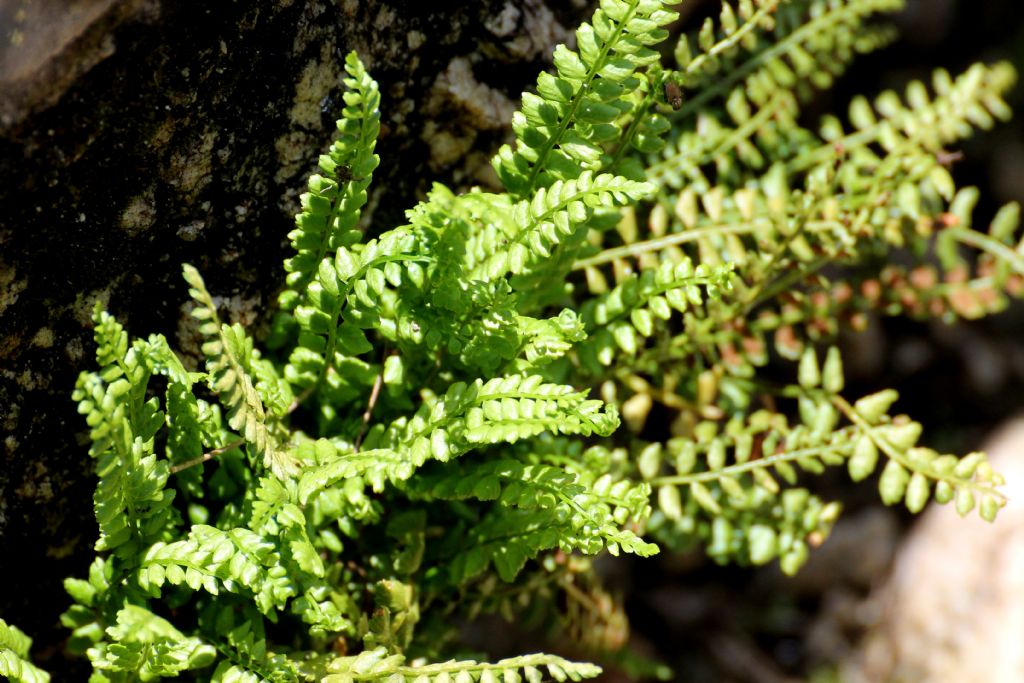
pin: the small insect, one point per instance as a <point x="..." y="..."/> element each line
<point x="344" y="173"/>
<point x="673" y="95"/>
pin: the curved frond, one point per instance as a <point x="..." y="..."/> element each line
<point x="228" y="352"/>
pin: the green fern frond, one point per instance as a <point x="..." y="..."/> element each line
<point x="374" y="665"/>
<point x="553" y="216"/>
<point x="553" y="508"/>
<point x="501" y="410"/>
<point x="14" y="664"/>
<point x="132" y="505"/>
<point x="211" y="559"/>
<point x="246" y="656"/>
<point x="344" y="298"/>
<point x="228" y="352"/>
<point x="973" y="100"/>
<point x="560" y="132"/>
<point x="331" y="208"/>
<point x="148" y="647"/>
<point x="792" y="45"/>
<point x="623" y="318"/>
<point x="506" y="539"/>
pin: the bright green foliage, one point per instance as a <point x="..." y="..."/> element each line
<point x="564" y="129"/>
<point x="146" y="647"/>
<point x="229" y="361"/>
<point x="331" y="208"/>
<point x="375" y="665"/>
<point x="14" y="664"/>
<point x="435" y="432"/>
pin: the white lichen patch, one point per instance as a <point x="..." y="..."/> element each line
<point x="415" y="40"/>
<point x="445" y="147"/>
<point x="385" y="18"/>
<point x="475" y="106"/>
<point x="504" y="22"/>
<point x="10" y="287"/>
<point x="191" y="165"/>
<point x="85" y="301"/>
<point x="74" y="350"/>
<point x="43" y="338"/>
<point x="319" y="78"/>
<point x="483" y="107"/>
<point x="140" y="214"/>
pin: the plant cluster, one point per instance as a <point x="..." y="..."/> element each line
<point x="433" y="430"/>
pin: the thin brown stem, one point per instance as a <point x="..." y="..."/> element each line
<point x="368" y="413"/>
<point x="299" y="399"/>
<point x="207" y="456"/>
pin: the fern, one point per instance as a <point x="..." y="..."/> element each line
<point x="561" y="131"/>
<point x="14" y="663"/>
<point x="229" y="355"/>
<point x="376" y="665"/>
<point x="147" y="647"/>
<point x="435" y="431"/>
<point x="132" y="502"/>
<point x="331" y="208"/>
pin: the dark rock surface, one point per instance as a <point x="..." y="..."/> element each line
<point x="136" y="135"/>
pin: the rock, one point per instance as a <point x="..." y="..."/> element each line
<point x="953" y="610"/>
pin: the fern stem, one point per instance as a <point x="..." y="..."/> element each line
<point x="378" y="382"/>
<point x="734" y="39"/>
<point x="205" y="457"/>
<point x="893" y="453"/>
<point x="786" y="281"/>
<point x="990" y="246"/>
<point x="627" y="138"/>
<point x="658" y="243"/>
<point x="760" y="463"/>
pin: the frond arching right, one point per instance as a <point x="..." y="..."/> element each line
<point x="228" y="351"/>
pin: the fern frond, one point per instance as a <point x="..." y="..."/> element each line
<point x="792" y="45"/>
<point x="376" y="664"/>
<point x="553" y="216"/>
<point x="247" y="656"/>
<point x="732" y="485"/>
<point x="276" y="516"/>
<point x="623" y="318"/>
<point x="913" y="473"/>
<point x="149" y="647"/>
<point x="332" y="206"/>
<point x="973" y="100"/>
<point x="556" y="509"/>
<point x="560" y="132"/>
<point x="501" y="410"/>
<point x="14" y="664"/>
<point x="228" y="352"/>
<point x="546" y="340"/>
<point x="133" y="507"/>
<point x="211" y="559"/>
<point x="345" y="298"/>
